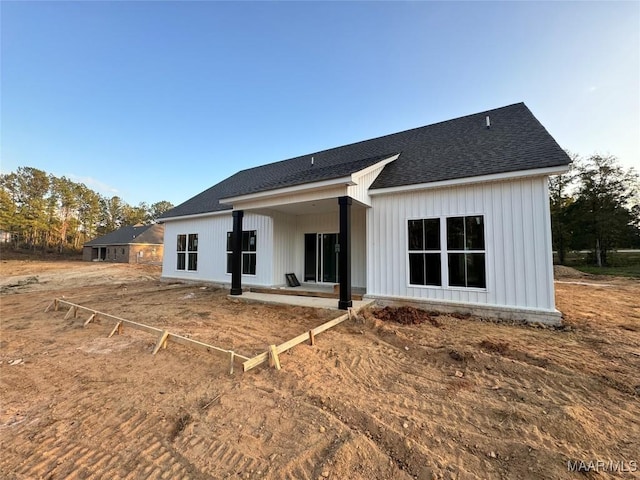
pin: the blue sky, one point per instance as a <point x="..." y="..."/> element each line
<point x="158" y="101"/>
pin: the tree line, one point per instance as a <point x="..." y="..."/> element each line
<point x="595" y="206"/>
<point x="42" y="211"/>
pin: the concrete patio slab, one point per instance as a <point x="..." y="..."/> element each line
<point x="300" y="301"/>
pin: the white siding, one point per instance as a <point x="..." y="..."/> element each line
<point x="212" y="248"/>
<point x="280" y="246"/>
<point x="284" y="247"/>
<point x="517" y="240"/>
<point x="360" y="192"/>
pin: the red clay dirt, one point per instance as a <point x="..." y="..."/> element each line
<point x="457" y="399"/>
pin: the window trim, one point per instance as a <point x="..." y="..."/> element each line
<point x="242" y="253"/>
<point x="444" y="253"/>
<point x="424" y="251"/>
<point x="187" y="252"/>
<point x="464" y="251"/>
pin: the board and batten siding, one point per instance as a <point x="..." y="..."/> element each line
<point x="280" y="247"/>
<point x="519" y="264"/>
<point x="212" y="248"/>
<point x="360" y="192"/>
<point x="284" y="247"/>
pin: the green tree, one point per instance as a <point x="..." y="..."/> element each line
<point x="7" y="211"/>
<point x="42" y="210"/>
<point x="560" y="199"/>
<point x="112" y="214"/>
<point x="67" y="201"/>
<point x="602" y="205"/>
<point x="28" y="189"/>
<point x="89" y="214"/>
<point x="135" y="215"/>
<point x="158" y="209"/>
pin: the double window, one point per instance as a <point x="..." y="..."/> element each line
<point x="463" y="259"/>
<point x="187" y="249"/>
<point x="249" y="243"/>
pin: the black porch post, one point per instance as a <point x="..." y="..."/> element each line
<point x="236" y="253"/>
<point x="344" y="256"/>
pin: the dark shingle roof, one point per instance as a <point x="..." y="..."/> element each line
<point x="454" y="149"/>
<point x="131" y="234"/>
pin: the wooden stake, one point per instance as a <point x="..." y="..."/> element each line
<point x="283" y="347"/>
<point x="56" y="305"/>
<point x="89" y="320"/>
<point x="231" y="355"/>
<point x="49" y="306"/>
<point x="69" y="313"/>
<point x="274" y="360"/>
<point x="117" y="328"/>
<point x="312" y="338"/>
<point x="162" y="340"/>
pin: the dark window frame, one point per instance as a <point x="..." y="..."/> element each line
<point x="466" y="252"/>
<point x="187" y="252"/>
<point x="248" y="252"/>
<point x="459" y="263"/>
<point x="424" y="252"/>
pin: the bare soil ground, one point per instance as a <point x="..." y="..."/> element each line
<point x="444" y="398"/>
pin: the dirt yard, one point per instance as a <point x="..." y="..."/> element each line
<point x="448" y="398"/>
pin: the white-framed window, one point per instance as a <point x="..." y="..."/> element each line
<point x="249" y="244"/>
<point x="451" y="248"/>
<point x="466" y="254"/>
<point x="187" y="252"/>
<point x="425" y="252"/>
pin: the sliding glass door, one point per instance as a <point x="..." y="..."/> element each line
<point x="321" y="257"/>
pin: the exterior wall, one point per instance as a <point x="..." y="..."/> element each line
<point x="519" y="270"/>
<point x="360" y="192"/>
<point x="280" y="247"/>
<point x="117" y="253"/>
<point x="284" y="247"/>
<point x="212" y="248"/>
<point x="86" y="254"/>
<point x="142" y="253"/>
<point x="151" y="253"/>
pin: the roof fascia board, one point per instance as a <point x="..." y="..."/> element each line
<point x="118" y="244"/>
<point x="299" y="197"/>
<point x="496" y="177"/>
<point x="196" y="215"/>
<point x="305" y="187"/>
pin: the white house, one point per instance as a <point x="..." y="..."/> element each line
<point x="452" y="216"/>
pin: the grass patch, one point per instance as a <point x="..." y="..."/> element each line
<point x="632" y="271"/>
<point x="620" y="264"/>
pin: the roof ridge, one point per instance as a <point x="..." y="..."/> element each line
<point x="450" y="149"/>
<point x="382" y="137"/>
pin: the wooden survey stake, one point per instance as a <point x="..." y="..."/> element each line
<point x="274" y="359"/>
